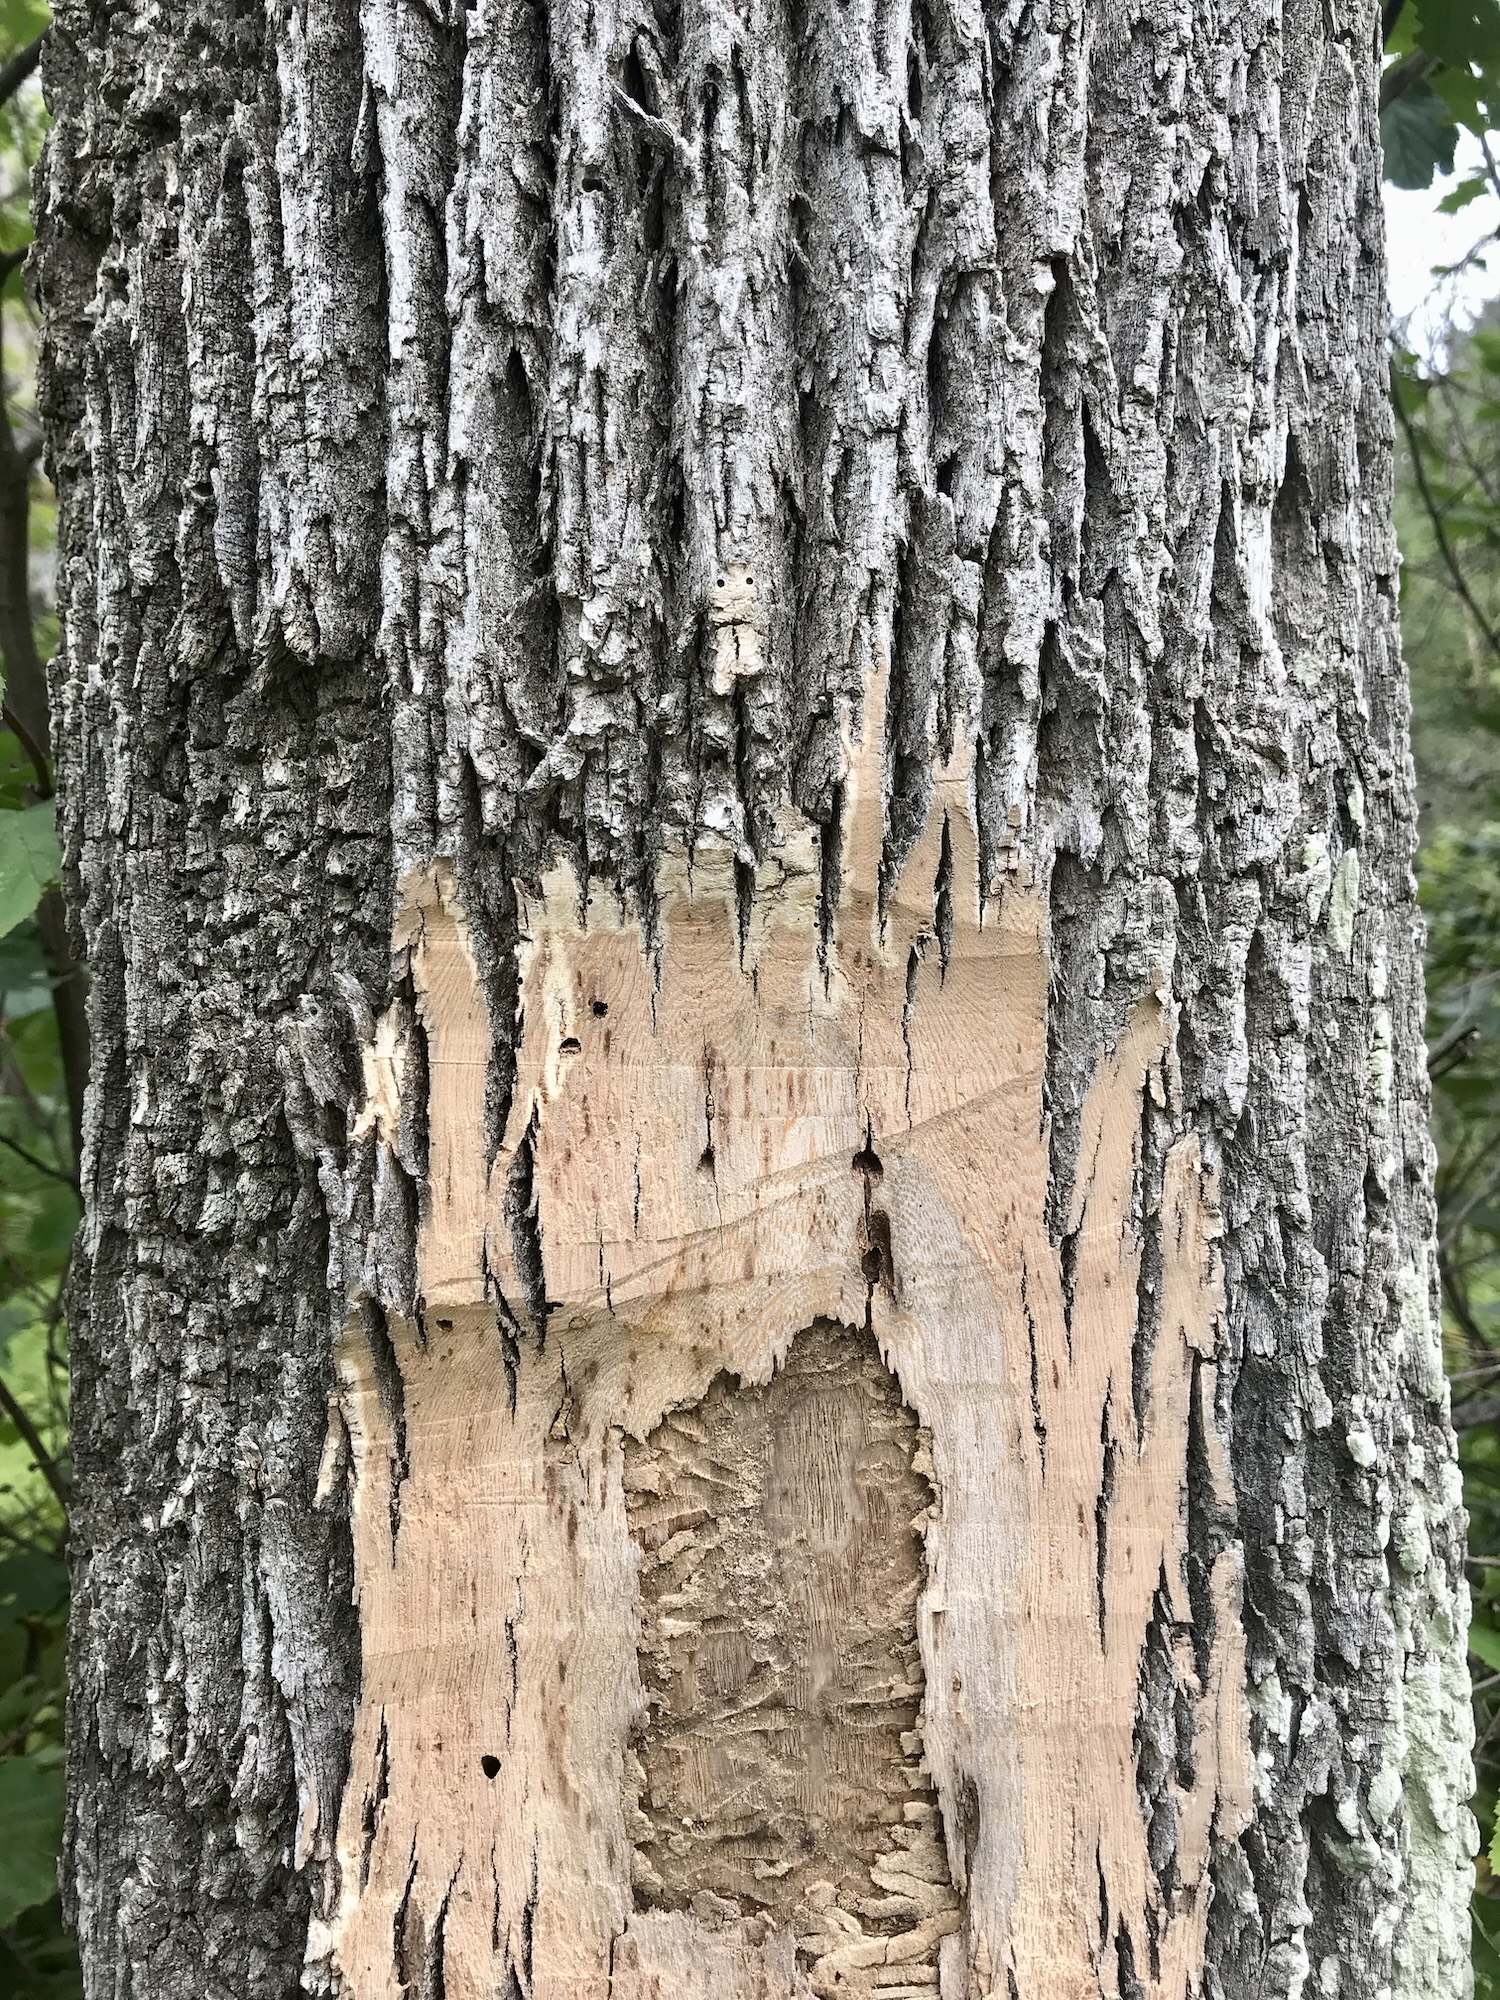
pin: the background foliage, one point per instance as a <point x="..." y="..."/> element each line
<point x="1442" y="79"/>
<point x="38" y="1187"/>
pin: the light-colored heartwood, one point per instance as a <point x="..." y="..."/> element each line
<point x="717" y="1141"/>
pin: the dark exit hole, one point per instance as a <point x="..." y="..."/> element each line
<point x="633" y="78"/>
<point x="490" y="1766"/>
<point x="570" y="1045"/>
<point x="600" y="1009"/>
<point x="877" y="1262"/>
<point x="867" y="1161"/>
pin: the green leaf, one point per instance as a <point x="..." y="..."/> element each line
<point x="1403" y="37"/>
<point x="31" y="1821"/>
<point x="1459" y="33"/>
<point x="30" y="861"/>
<point x="1410" y="387"/>
<point x="1459" y="197"/>
<point x="32" y="1585"/>
<point x="54" y="1223"/>
<point x="1419" y="136"/>
<point x="15" y="1645"/>
<point x="1486" y="1958"/>
<point x="1484" y="1644"/>
<point x="25" y="985"/>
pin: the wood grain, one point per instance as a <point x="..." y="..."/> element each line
<point x="721" y="1142"/>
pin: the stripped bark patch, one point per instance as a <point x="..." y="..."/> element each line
<point x="778" y="1774"/>
<point x="732" y="1135"/>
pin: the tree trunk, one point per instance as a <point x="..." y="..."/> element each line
<point x="757" y="1309"/>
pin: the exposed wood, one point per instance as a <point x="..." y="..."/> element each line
<point x="777" y="1773"/>
<point x="717" y="1145"/>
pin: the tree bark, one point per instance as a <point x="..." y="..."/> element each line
<point x="757" y="1310"/>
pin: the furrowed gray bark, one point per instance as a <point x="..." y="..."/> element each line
<point x="710" y="526"/>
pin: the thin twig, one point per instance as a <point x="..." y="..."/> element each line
<point x="1464" y="1156"/>
<point x="1489" y="1729"/>
<point x="69" y="1010"/>
<point x="34" y="751"/>
<point x="1440" y="533"/>
<point x="26" y="694"/>
<point x="1458" y="1304"/>
<point x="1473" y="255"/>
<point x="1461" y="437"/>
<point x="1467" y="1158"/>
<point x="33" y="1160"/>
<point x="45" y="1544"/>
<point x="46" y="1464"/>
<point x="1491" y="171"/>
<point x="15" y="72"/>
<point x="1451" y="1231"/>
<point x="1475" y="995"/>
<point x="59" y="1298"/>
<point x="1404" y="75"/>
<point x="1483" y="1372"/>
<point x="13" y="1083"/>
<point x="1470" y="1152"/>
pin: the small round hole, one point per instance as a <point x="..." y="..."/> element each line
<point x="490" y="1765"/>
<point x="570" y="1045"/>
<point x="748" y="577"/>
<point x="722" y="581"/>
<point x="600" y="1009"/>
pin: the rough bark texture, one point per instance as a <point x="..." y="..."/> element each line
<point x="889" y="497"/>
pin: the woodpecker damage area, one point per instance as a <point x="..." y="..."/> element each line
<point x="778" y="1774"/>
<point x="789" y="1521"/>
